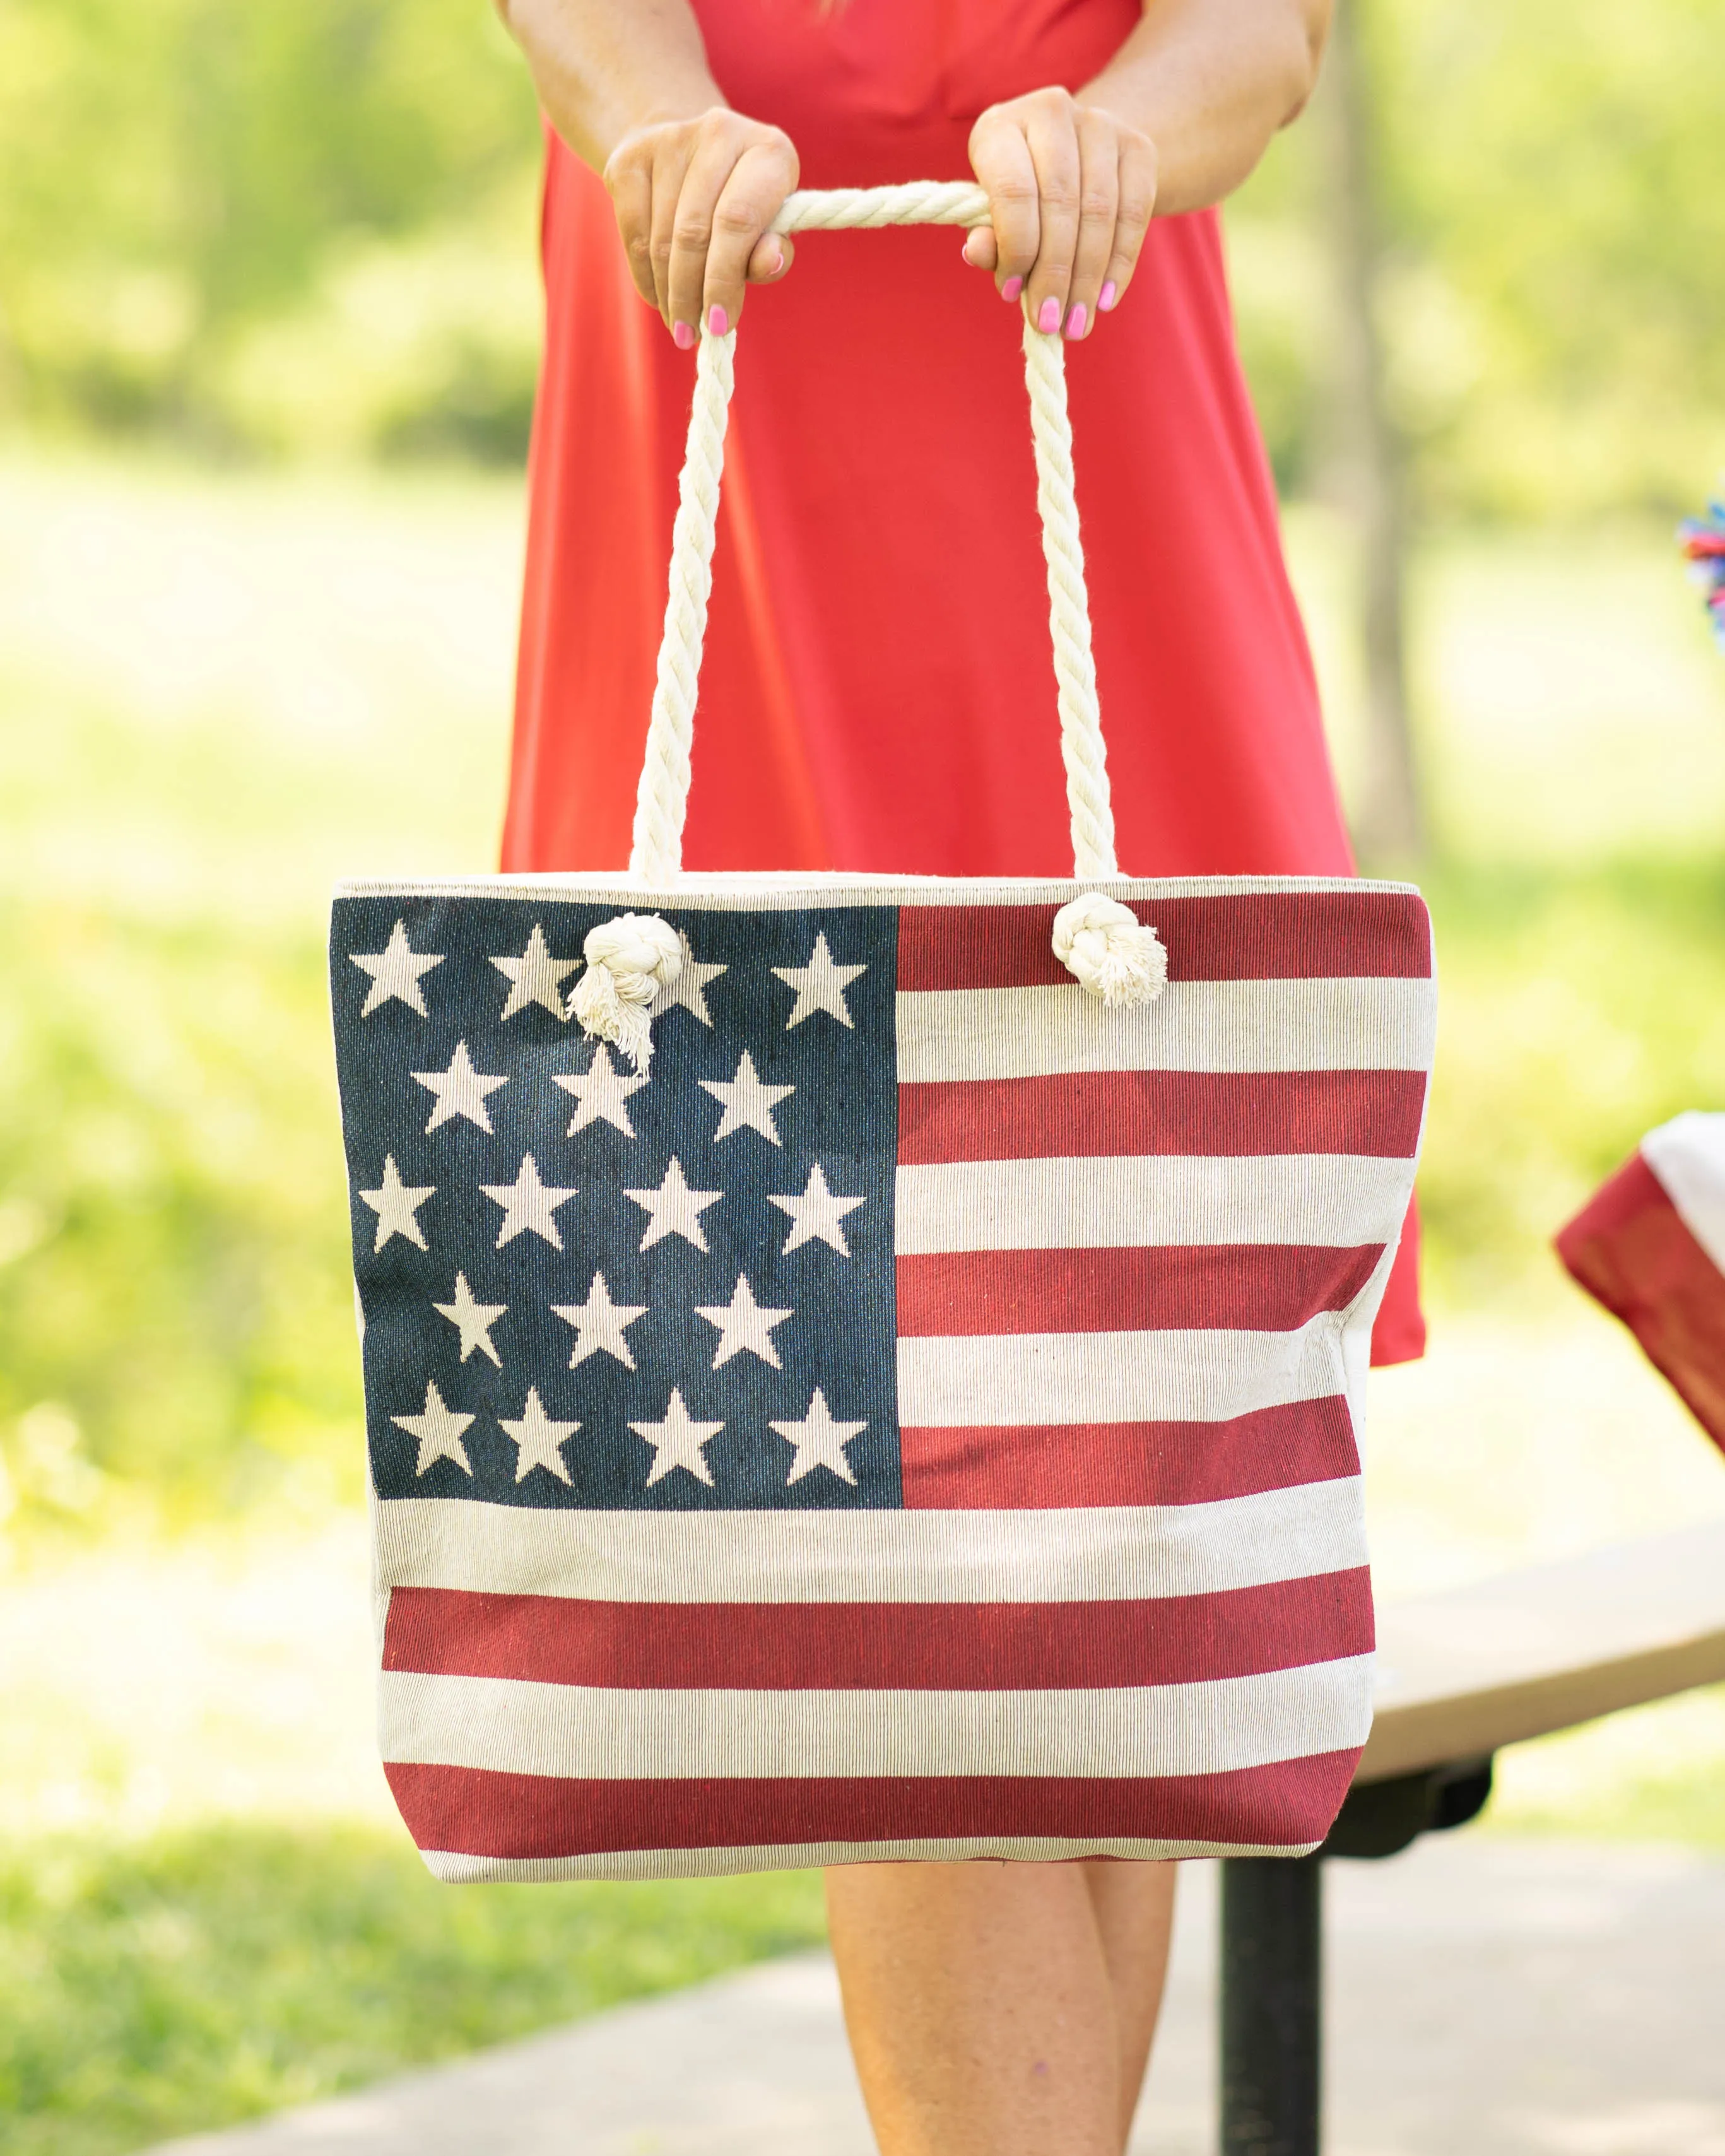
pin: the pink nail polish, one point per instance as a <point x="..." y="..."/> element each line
<point x="1077" y="319"/>
<point x="1049" y="321"/>
<point x="682" y="337"/>
<point x="1011" y="289"/>
<point x="717" y="321"/>
<point x="1106" y="298"/>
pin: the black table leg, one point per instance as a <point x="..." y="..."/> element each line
<point x="1273" y="1914"/>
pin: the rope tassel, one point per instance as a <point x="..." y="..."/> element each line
<point x="630" y="961"/>
<point x="1111" y="954"/>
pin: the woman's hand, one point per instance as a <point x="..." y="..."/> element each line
<point x="1071" y="189"/>
<point x="694" y="198"/>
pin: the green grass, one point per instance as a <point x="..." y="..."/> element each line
<point x="201" y="1978"/>
<point x="1655" y="1773"/>
<point x="1577" y="1007"/>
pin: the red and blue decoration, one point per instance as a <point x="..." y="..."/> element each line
<point x="1703" y="543"/>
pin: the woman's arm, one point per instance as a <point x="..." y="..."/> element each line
<point x="694" y="185"/>
<point x="1210" y="82"/>
<point x="1175" y="120"/>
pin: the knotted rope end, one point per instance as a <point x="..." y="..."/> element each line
<point x="1111" y="954"/>
<point x="630" y="961"/>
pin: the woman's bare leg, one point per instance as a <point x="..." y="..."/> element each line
<point x="981" y="2001"/>
<point x="1134" y="1906"/>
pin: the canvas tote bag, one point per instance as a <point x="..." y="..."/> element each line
<point x="870" y="1367"/>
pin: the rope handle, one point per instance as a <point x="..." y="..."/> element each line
<point x="661" y="804"/>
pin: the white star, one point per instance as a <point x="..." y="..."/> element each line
<point x="397" y="1204"/>
<point x="395" y="971"/>
<point x="689" y="988"/>
<point x="743" y="1324"/>
<point x="461" y="1091"/>
<point x="538" y="1439"/>
<point x="820" y="985"/>
<point x="678" y="1442"/>
<point x="820" y="1441"/>
<point x="748" y="1104"/>
<point x="600" y="1324"/>
<point x="535" y="977"/>
<point x="473" y="1320"/>
<point x="528" y="1203"/>
<point x="817" y="1214"/>
<point x="601" y="1092"/>
<point x="674" y="1209"/>
<point x="439" y="1429"/>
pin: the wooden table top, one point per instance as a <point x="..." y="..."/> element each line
<point x="1529" y="1652"/>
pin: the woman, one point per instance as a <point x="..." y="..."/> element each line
<point x="877" y="691"/>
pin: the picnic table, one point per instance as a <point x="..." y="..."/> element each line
<point x="1460" y="1675"/>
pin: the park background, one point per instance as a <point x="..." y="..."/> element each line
<point x="269" y="314"/>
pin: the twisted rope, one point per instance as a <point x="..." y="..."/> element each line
<point x="662" y="803"/>
<point x="917" y="202"/>
<point x="1081" y="749"/>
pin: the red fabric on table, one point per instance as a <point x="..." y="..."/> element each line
<point x="877" y="691"/>
<point x="1629" y="1248"/>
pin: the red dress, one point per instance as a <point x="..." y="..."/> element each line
<point x="877" y="691"/>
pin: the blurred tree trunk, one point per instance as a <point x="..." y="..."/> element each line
<point x="1389" y="825"/>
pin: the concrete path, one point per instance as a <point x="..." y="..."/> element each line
<point x="1503" y="1998"/>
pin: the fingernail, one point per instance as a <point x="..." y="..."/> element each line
<point x="1077" y="319"/>
<point x="718" y="322"/>
<point x="1106" y="298"/>
<point x="1011" y="289"/>
<point x="682" y="337"/>
<point x="1049" y="321"/>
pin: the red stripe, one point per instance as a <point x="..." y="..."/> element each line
<point x="1111" y="1114"/>
<point x="1055" y="1467"/>
<point x="1629" y="1248"/>
<point x="469" y="1811"/>
<point x="1285" y="936"/>
<point x="1252" y="1287"/>
<point x="894" y="1646"/>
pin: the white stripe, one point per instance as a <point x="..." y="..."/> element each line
<point x="952" y="1034"/>
<point x="579" y="1731"/>
<point x="459" y="1869"/>
<point x="1104" y="1553"/>
<point x="1338" y="1199"/>
<point x="1005" y="1379"/>
<point x="1688" y="1157"/>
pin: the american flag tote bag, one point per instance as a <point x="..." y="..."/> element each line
<point x="863" y="1368"/>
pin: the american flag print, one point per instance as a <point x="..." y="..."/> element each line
<point x="917" y="1419"/>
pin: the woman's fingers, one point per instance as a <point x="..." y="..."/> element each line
<point x="751" y="196"/>
<point x="1098" y="210"/>
<point x="1131" y="221"/>
<point x="980" y="251"/>
<point x="692" y="227"/>
<point x="672" y="154"/>
<point x="1070" y="191"/>
<point x="693" y="199"/>
<point x="631" y="185"/>
<point x="1052" y="133"/>
<point x="1000" y="157"/>
<point x="774" y="255"/>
